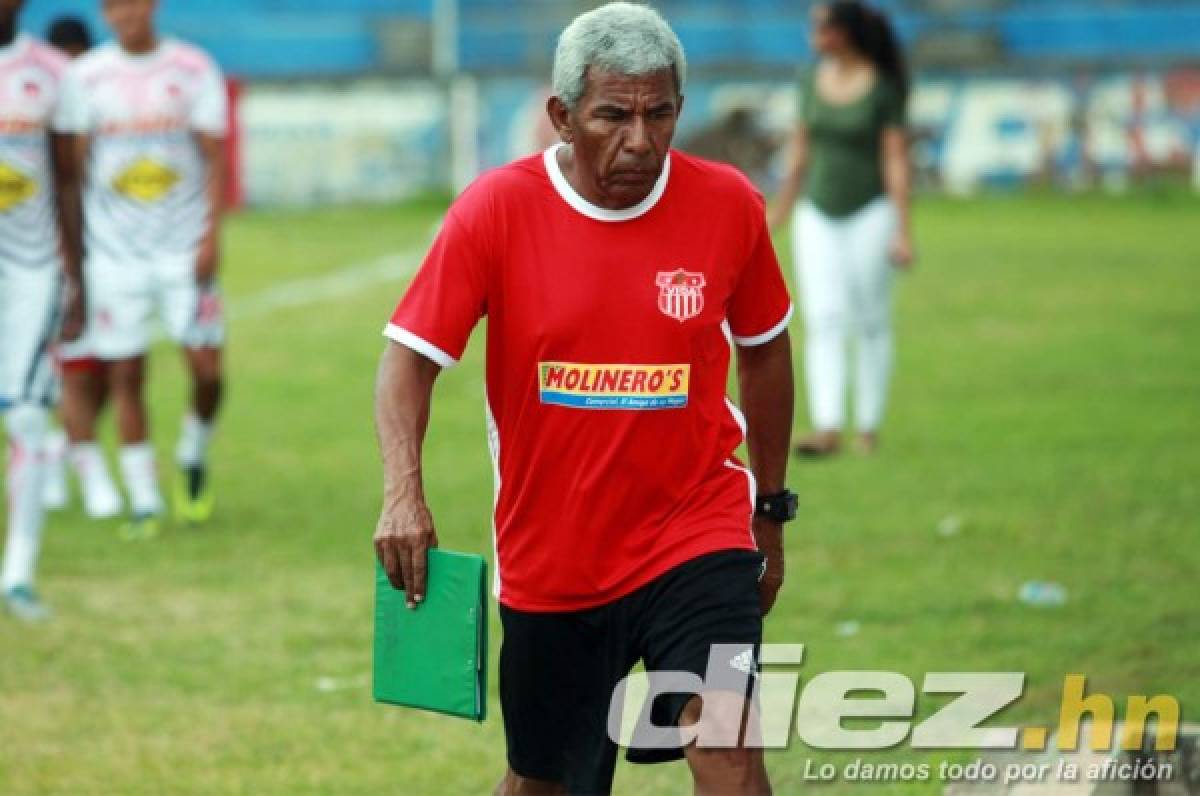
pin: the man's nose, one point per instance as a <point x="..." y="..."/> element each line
<point x="637" y="137"/>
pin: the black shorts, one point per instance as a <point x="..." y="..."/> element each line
<point x="558" y="670"/>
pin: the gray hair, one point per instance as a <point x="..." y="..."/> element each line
<point x="625" y="38"/>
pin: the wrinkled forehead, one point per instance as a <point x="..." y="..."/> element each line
<point x="605" y="86"/>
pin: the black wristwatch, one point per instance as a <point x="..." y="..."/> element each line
<point x="780" y="507"/>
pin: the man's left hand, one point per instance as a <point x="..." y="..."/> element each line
<point x="769" y="536"/>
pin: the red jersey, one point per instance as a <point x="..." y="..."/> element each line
<point x="607" y="360"/>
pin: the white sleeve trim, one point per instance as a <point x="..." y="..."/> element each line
<point x="423" y="347"/>
<point x="768" y="335"/>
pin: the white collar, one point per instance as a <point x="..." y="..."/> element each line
<point x="550" y="156"/>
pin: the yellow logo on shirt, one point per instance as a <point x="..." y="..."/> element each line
<point x="15" y="188"/>
<point x="146" y="180"/>
<point x="614" y="386"/>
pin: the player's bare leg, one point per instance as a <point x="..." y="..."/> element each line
<point x="85" y="392"/>
<point x="194" y="498"/>
<point x="127" y="380"/>
<point x="734" y="771"/>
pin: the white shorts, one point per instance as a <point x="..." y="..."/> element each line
<point x="29" y="318"/>
<point x="78" y="350"/>
<point x="125" y="298"/>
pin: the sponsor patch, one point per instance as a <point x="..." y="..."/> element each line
<point x="15" y="188"/>
<point x="146" y="180"/>
<point x="614" y="386"/>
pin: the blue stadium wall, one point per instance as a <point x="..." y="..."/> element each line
<point x="305" y="38"/>
<point x="1083" y="92"/>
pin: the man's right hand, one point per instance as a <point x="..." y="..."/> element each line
<point x="402" y="539"/>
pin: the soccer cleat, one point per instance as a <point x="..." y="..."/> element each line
<point x="194" y="501"/>
<point x="23" y="603"/>
<point x="140" y="528"/>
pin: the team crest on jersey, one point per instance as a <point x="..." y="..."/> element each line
<point x="680" y="293"/>
<point x="31" y="89"/>
<point x="146" y="180"/>
<point x="15" y="188"/>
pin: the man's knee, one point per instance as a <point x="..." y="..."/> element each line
<point x="26" y="424"/>
<point x="724" y="747"/>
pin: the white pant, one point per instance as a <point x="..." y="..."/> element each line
<point x="124" y="297"/>
<point x="845" y="278"/>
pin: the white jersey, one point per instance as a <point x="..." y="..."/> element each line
<point x="145" y="191"/>
<point x="30" y="74"/>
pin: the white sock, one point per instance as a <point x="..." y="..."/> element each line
<point x="86" y="458"/>
<point x="194" y="436"/>
<point x="54" y="474"/>
<point x="26" y="436"/>
<point x="100" y="496"/>
<point x="141" y="478"/>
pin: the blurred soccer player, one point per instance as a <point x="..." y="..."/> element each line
<point x="31" y="269"/>
<point x="84" y="388"/>
<point x="149" y="114"/>
<point x="850" y="154"/>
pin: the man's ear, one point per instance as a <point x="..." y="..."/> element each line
<point x="559" y="115"/>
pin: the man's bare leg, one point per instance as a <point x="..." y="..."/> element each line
<point x="85" y="392"/>
<point x="736" y="771"/>
<point x="127" y="379"/>
<point x="193" y="494"/>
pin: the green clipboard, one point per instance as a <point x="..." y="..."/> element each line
<point x="435" y="657"/>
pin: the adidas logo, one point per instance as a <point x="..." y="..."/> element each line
<point x="744" y="662"/>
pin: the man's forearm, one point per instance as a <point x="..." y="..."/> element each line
<point x="766" y="388"/>
<point x="793" y="180"/>
<point x="402" y="396"/>
<point x="212" y="150"/>
<point x="897" y="175"/>
<point x="216" y="191"/>
<point x="68" y="170"/>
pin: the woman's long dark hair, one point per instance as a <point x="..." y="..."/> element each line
<point x="871" y="33"/>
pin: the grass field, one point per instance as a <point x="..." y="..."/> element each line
<point x="1046" y="395"/>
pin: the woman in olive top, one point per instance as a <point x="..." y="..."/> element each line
<point x="849" y="154"/>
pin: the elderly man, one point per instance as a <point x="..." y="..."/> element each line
<point x="613" y="273"/>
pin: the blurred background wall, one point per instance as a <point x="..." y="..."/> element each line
<point x="350" y="100"/>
